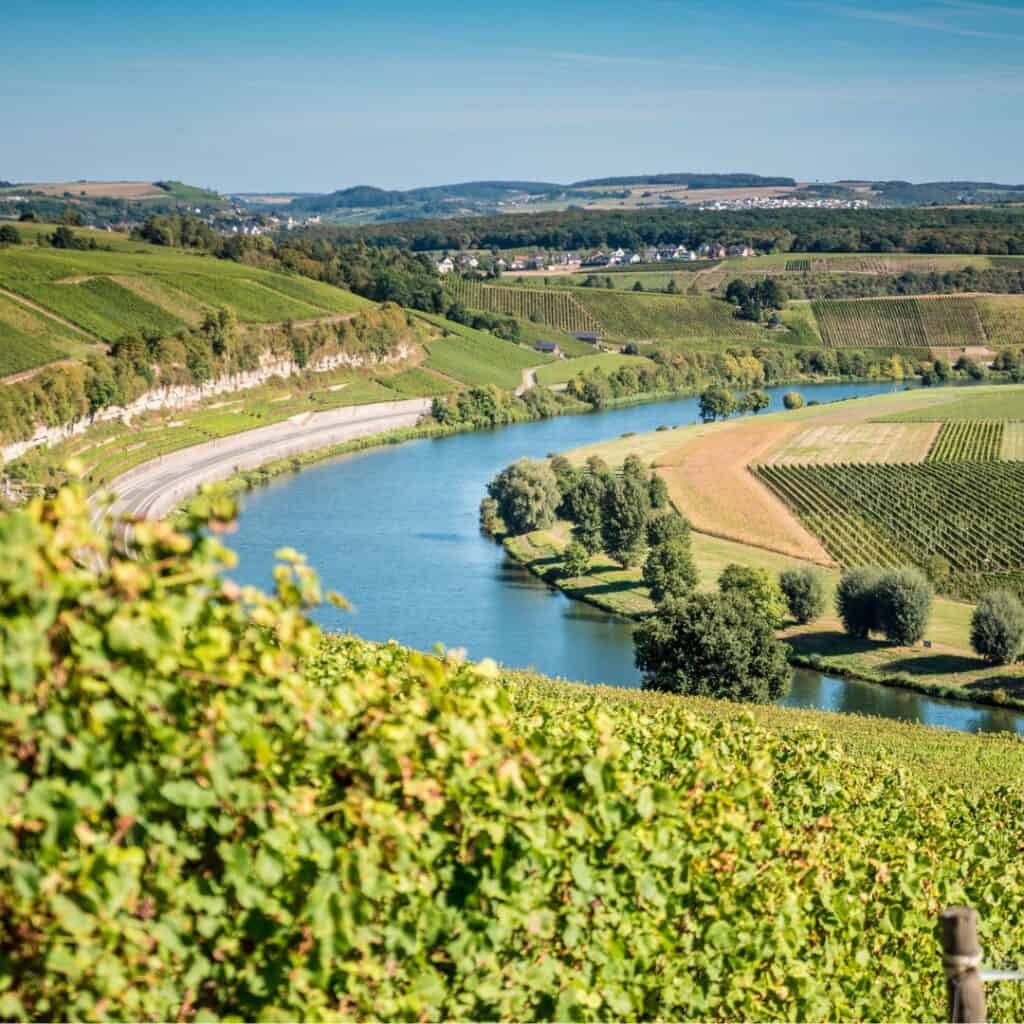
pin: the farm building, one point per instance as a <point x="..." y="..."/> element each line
<point x="592" y="336"/>
<point x="549" y="347"/>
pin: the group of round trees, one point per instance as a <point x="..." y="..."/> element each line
<point x="896" y="604"/>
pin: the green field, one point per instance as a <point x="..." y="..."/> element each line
<point x="416" y="383"/>
<point x="1000" y="402"/>
<point x="939" y="321"/>
<point x="567" y="369"/>
<point x="968" y="441"/>
<point x="478" y="358"/>
<point x="800" y="319"/>
<point x="29" y="339"/>
<point x="140" y="286"/>
<point x="550" y="306"/>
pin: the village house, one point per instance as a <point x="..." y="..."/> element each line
<point x="445" y="266"/>
<point x="548" y="347"/>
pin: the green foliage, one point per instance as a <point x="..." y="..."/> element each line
<point x="669" y="526"/>
<point x="857" y="602"/>
<point x="712" y="645"/>
<point x="625" y="507"/>
<point x="716" y="402"/>
<point x="754" y="401"/>
<point x="905" y="603"/>
<point x="583" y="507"/>
<point x="669" y="570"/>
<point x="805" y="592"/>
<point x="575" y="560"/>
<point x="212" y="812"/>
<point x="758" y="589"/>
<point x="997" y="628"/>
<point x="527" y="495"/>
<point x="9" y="235"/>
<point x="793" y="400"/>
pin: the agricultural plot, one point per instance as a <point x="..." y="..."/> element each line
<point x="967" y="515"/>
<point x="29" y="339"/>
<point x="1002" y="317"/>
<point x="566" y="370"/>
<point x="856" y="442"/>
<point x="1013" y="442"/>
<point x="633" y="316"/>
<point x="799" y="318"/>
<point x="999" y="402"/>
<point x="477" y="358"/>
<point x="798" y="266"/>
<point x="112" y="293"/>
<point x="556" y="307"/>
<point x="968" y="441"/>
<point x="417" y="383"/>
<point x="903" y="323"/>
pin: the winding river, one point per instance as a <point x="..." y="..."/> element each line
<point x="395" y="530"/>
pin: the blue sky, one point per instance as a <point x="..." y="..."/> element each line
<point x="317" y="95"/>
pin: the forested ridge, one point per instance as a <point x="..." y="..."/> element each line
<point x="998" y="230"/>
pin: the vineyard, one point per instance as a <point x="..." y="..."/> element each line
<point x="1002" y="317"/>
<point x="556" y="307"/>
<point x="967" y="515"/>
<point x="798" y="266"/>
<point x="906" y="323"/>
<point x="968" y="441"/>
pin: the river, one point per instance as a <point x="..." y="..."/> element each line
<point x="395" y="530"/>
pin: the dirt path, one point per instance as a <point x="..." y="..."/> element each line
<point x="155" y="488"/>
<point x="528" y="380"/>
<point x="7" y="294"/>
<point x="17" y="378"/>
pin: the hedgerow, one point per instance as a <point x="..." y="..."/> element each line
<point x="210" y="810"/>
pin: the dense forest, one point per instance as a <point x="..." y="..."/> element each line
<point x="997" y="230"/>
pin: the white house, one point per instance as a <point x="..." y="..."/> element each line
<point x="445" y="266"/>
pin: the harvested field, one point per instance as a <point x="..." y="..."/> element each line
<point x="1013" y="442"/>
<point x="860" y="442"/>
<point x="709" y="482"/>
<point x="98" y="189"/>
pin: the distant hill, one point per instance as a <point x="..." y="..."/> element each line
<point x="692" y="181"/>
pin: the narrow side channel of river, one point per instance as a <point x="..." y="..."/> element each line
<point x="395" y="530"/>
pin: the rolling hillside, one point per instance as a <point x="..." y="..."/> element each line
<point x="54" y="301"/>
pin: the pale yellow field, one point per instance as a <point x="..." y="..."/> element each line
<point x="861" y="442"/>
<point x="1013" y="441"/>
<point x="95" y="189"/>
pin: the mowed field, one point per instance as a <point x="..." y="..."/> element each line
<point x="97" y="189"/>
<point x="106" y="294"/>
<point x="567" y="369"/>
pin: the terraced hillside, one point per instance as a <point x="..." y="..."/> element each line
<point x="138" y="286"/>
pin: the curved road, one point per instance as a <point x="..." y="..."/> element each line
<point x="154" y="488"/>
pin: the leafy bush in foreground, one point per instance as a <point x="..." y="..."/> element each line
<point x="210" y="811"/>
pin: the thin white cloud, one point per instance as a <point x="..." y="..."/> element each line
<point x="910" y="20"/>
<point x="970" y="7"/>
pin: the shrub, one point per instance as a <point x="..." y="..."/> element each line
<point x="857" y="601"/>
<point x="527" y="495"/>
<point x="9" y="235"/>
<point x="669" y="570"/>
<point x="757" y="588"/>
<point x="575" y="560"/>
<point x="905" y="604"/>
<point x="804" y="591"/>
<point x="712" y="645"/>
<point x="997" y="628"/>
<point x="793" y="400"/>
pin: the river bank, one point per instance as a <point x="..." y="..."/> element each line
<point x="621" y="592"/>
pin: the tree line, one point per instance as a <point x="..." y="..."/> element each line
<point x="998" y="230"/>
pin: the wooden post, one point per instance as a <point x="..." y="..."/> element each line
<point x="961" y="958"/>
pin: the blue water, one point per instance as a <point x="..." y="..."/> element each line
<point x="395" y="530"/>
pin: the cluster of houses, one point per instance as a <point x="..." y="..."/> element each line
<point x="616" y="257"/>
